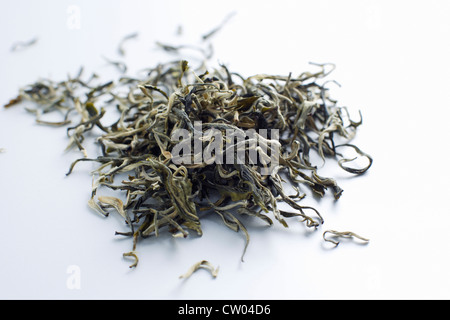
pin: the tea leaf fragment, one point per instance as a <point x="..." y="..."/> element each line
<point x="204" y="264"/>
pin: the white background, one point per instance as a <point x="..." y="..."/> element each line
<point x="393" y="64"/>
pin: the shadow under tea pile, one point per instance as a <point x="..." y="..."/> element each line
<point x="163" y="194"/>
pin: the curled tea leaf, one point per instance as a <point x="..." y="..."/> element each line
<point x="121" y="49"/>
<point x="199" y="265"/>
<point x="134" y="255"/>
<point x="361" y="153"/>
<point x="118" y="205"/>
<point x="345" y="234"/>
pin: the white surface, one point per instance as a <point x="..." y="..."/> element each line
<point x="392" y="62"/>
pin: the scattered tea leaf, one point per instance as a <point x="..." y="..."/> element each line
<point x="20" y="45"/>
<point x="204" y="264"/>
<point x="344" y="234"/>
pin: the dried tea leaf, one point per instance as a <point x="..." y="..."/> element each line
<point x="13" y="102"/>
<point x="134" y="255"/>
<point x="361" y="153"/>
<point x="23" y="44"/>
<point x="345" y="234"/>
<point x="199" y="265"/>
<point x="115" y="202"/>
<point x="121" y="49"/>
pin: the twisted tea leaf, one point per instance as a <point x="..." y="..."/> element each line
<point x="345" y="234"/>
<point x="199" y="265"/>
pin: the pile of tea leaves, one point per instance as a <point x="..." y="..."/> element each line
<point x="288" y="116"/>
